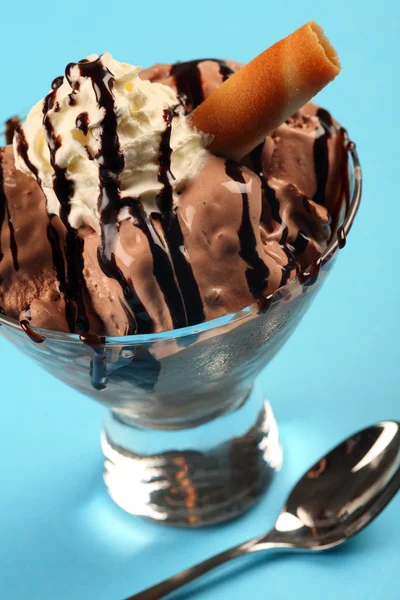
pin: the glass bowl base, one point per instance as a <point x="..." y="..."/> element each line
<point x="193" y="477"/>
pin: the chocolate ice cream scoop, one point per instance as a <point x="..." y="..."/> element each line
<point x="193" y="80"/>
<point x="302" y="165"/>
<point x="236" y="233"/>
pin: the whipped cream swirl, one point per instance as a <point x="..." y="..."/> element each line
<point x="64" y="134"/>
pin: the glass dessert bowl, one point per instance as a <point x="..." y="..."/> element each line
<point x="189" y="438"/>
<point x="146" y="207"/>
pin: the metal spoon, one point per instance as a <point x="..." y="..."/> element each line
<point x="333" y="501"/>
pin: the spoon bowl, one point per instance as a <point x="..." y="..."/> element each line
<point x="335" y="499"/>
<point x="343" y="491"/>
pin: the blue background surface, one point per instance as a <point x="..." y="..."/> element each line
<point x="61" y="537"/>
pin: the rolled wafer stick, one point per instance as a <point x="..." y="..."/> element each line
<point x="268" y="90"/>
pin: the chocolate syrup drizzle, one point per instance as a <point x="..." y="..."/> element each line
<point x="13" y="242"/>
<point x="270" y="197"/>
<point x="321" y="166"/>
<point x="257" y="272"/>
<point x="171" y="267"/>
<point x="3" y="203"/>
<point x="224" y="69"/>
<point x="188" y="80"/>
<point x="193" y="310"/>
<point x="11" y="127"/>
<point x="184" y="302"/>
<point x="111" y="164"/>
<point x="300" y="243"/>
<point x="321" y="155"/>
<point x="162" y="268"/>
<point x="341" y="233"/>
<point x="164" y="199"/>
<point x="184" y="274"/>
<point x="341" y="237"/>
<point x="321" y="162"/>
<point x="82" y="122"/>
<point x="49" y="101"/>
<point x="4" y="213"/>
<point x="72" y="283"/>
<point x="22" y="149"/>
<point x="310" y="276"/>
<point x="60" y="269"/>
<point x="36" y="338"/>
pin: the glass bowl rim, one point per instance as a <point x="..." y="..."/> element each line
<point x="214" y="324"/>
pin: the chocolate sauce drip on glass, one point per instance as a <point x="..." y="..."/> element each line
<point x="192" y="312"/>
<point x="188" y="80"/>
<point x="321" y="165"/>
<point x="142" y="369"/>
<point x="98" y="365"/>
<point x="341" y="236"/>
<point x="264" y="303"/>
<point x="321" y="156"/>
<point x="348" y="147"/>
<point x="92" y="339"/>
<point x="291" y="263"/>
<point x="309" y="277"/>
<point x="343" y="203"/>
<point x="11" y="127"/>
<point x="345" y="196"/>
<point x="257" y="272"/>
<point x="111" y="164"/>
<point x="34" y="337"/>
<point x="98" y="370"/>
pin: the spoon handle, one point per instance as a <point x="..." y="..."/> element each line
<point x="160" y="590"/>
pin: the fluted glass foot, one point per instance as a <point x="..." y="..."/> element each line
<point x="196" y="476"/>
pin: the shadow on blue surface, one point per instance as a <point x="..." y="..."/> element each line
<point x="61" y="537"/>
<point x="264" y="561"/>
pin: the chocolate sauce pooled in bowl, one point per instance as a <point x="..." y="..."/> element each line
<point x="230" y="235"/>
